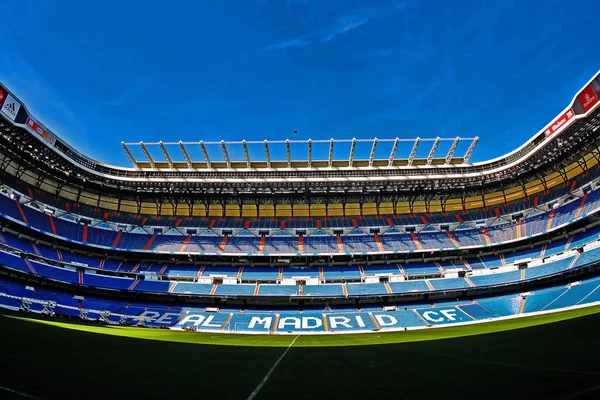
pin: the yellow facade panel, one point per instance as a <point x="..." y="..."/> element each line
<point x="266" y="210"/>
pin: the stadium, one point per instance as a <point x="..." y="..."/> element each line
<point x="341" y="251"/>
<point x="317" y="264"/>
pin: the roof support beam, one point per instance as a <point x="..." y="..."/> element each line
<point x="393" y="153"/>
<point x="129" y="155"/>
<point x="148" y="155"/>
<point x="267" y="154"/>
<point x="205" y="153"/>
<point x="452" y="150"/>
<point x="372" y="156"/>
<point x="309" y="153"/>
<point x="469" y="152"/>
<point x="288" y="153"/>
<point x="436" y="143"/>
<point x="330" y="163"/>
<point x="246" y="154"/>
<point x="166" y="154"/>
<point x="186" y="155"/>
<point x="352" y="148"/>
<point x="226" y="154"/>
<point x="413" y="152"/>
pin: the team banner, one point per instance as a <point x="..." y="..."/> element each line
<point x="40" y="131"/>
<point x="306" y="322"/>
<point x="11" y="107"/>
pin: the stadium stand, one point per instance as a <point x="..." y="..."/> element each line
<point x="18" y="297"/>
<point x="310" y="245"/>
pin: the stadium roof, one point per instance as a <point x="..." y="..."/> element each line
<point x="290" y="161"/>
<point x="278" y="170"/>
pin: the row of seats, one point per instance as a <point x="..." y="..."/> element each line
<point x="18" y="297"/>
<point x="328" y="273"/>
<point x="303" y="222"/>
<point x="71" y="274"/>
<point x="318" y="243"/>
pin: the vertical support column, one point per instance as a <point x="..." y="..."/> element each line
<point x="267" y="154"/>
<point x="352" y="148"/>
<point x="148" y="155"/>
<point x="205" y="153"/>
<point x="246" y="153"/>
<point x="225" y="153"/>
<point x="413" y="152"/>
<point x="186" y="155"/>
<point x="288" y="153"/>
<point x="469" y="152"/>
<point x="129" y="156"/>
<point x="393" y="153"/>
<point x="372" y="156"/>
<point x="166" y="154"/>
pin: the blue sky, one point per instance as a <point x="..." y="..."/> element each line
<point x="97" y="73"/>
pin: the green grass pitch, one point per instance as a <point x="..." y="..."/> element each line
<point x="548" y="356"/>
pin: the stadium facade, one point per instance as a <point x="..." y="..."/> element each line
<point x="301" y="245"/>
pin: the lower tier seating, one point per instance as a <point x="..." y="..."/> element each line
<point x="335" y="281"/>
<point x="17" y="296"/>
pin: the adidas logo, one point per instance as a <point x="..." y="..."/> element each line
<point x="11" y="108"/>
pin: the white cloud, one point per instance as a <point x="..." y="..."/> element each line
<point x="345" y="25"/>
<point x="129" y="93"/>
<point x="297" y="42"/>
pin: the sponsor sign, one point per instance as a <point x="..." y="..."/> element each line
<point x="40" y="131"/>
<point x="1" y="95"/>
<point x="561" y="123"/>
<point x="11" y="107"/>
<point x="588" y="98"/>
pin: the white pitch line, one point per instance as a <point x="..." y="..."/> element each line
<point x="582" y="392"/>
<point x="12" y="391"/>
<point x="268" y="375"/>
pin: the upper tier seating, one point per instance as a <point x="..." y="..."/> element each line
<point x="318" y="242"/>
<point x="348" y="222"/>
